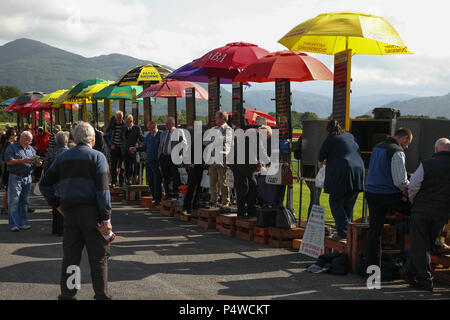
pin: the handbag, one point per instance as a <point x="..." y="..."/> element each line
<point x="285" y="219"/>
<point x="205" y="180"/>
<point x="286" y="175"/>
<point x="320" y="178"/>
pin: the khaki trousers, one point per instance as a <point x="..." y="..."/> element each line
<point x="217" y="176"/>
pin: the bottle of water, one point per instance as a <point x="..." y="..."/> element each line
<point x="110" y="237"/>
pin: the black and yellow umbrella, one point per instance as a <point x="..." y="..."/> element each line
<point x="143" y="75"/>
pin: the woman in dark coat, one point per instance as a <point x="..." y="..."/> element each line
<point x="344" y="175"/>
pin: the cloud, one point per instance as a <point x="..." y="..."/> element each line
<point x="176" y="32"/>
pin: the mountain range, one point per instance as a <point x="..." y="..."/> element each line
<point x="33" y="65"/>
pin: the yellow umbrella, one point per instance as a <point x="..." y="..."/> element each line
<point x="91" y="90"/>
<point x="66" y="99"/>
<point x="150" y="73"/>
<point x="330" y="33"/>
<point x="52" y="97"/>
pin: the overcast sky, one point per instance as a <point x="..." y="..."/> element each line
<point x="174" y="32"/>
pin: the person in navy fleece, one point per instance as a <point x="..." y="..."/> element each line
<point x="153" y="171"/>
<point x="84" y="201"/>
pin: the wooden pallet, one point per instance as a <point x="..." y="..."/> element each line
<point x="193" y="216"/>
<point x="245" y="229"/>
<point x="116" y="194"/>
<point x="218" y="222"/>
<point x="228" y="224"/>
<point x="155" y="208"/>
<point x="282" y="238"/>
<point x="335" y="246"/>
<point x="261" y="235"/>
<point x="168" y="212"/>
<point x="296" y="244"/>
<point x="132" y="193"/>
<point x="440" y="268"/>
<point x="146" y="202"/>
<point x="206" y="218"/>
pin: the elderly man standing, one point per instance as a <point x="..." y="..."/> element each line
<point x="217" y="171"/>
<point x="131" y="135"/>
<point x="429" y="191"/>
<point x="20" y="158"/>
<point x="169" y="170"/>
<point x="84" y="201"/>
<point x="113" y="139"/>
<point x="151" y="147"/>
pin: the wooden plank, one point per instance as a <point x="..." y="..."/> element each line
<point x="296" y="244"/>
<point x="333" y="245"/>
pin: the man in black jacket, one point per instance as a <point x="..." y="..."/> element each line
<point x="113" y="139"/>
<point x="131" y="135"/>
<point x="429" y="191"/>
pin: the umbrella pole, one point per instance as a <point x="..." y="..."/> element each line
<point x="172" y="109"/>
<point x="213" y="99"/>
<point x="147" y="112"/>
<point x="95" y="111"/>
<point x="107" y="112"/>
<point x="122" y="106"/>
<point x="85" y="113"/>
<point x="190" y="106"/>
<point x="238" y="105"/>
<point x="51" y="120"/>
<point x="71" y="114"/>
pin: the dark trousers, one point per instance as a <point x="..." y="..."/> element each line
<point x="130" y="164"/>
<point x="195" y="175"/>
<point x="246" y="189"/>
<point x="116" y="165"/>
<point x="379" y="205"/>
<point x="79" y="231"/>
<point x="424" y="229"/>
<point x="170" y="175"/>
<point x="341" y="206"/>
<point x="153" y="173"/>
<point x="314" y="195"/>
<point x="57" y="223"/>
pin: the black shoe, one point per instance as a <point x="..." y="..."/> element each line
<point x="426" y="286"/>
<point x="30" y="210"/>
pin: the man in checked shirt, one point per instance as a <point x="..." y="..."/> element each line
<point x="385" y="183"/>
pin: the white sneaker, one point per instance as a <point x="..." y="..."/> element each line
<point x="25" y="227"/>
<point x="14" y="229"/>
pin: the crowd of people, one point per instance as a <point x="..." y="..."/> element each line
<point x="77" y="167"/>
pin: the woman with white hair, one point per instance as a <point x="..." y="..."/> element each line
<point x="61" y="140"/>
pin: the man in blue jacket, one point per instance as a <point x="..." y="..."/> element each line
<point x="151" y="147"/>
<point x="385" y="183"/>
<point x="84" y="201"/>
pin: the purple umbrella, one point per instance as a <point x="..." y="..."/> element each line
<point x="198" y="74"/>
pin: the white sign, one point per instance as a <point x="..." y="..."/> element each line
<point x="313" y="240"/>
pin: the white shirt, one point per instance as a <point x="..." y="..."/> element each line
<point x="415" y="183"/>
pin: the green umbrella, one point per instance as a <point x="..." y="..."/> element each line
<point x="113" y="92"/>
<point x="83" y="85"/>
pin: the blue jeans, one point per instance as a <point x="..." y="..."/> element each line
<point x="18" y="195"/>
<point x="154" y="179"/>
<point x="342" y="210"/>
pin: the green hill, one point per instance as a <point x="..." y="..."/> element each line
<point x="33" y="65"/>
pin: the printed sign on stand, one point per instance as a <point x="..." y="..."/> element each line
<point x="313" y="240"/>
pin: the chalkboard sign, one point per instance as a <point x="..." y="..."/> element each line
<point x="190" y="106"/>
<point x="283" y="107"/>
<point x="214" y="100"/>
<point x="238" y="105"/>
<point x="341" y="88"/>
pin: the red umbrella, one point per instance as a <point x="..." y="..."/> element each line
<point x="292" y="65"/>
<point x="236" y="55"/>
<point x="251" y="116"/>
<point x="173" y="88"/>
